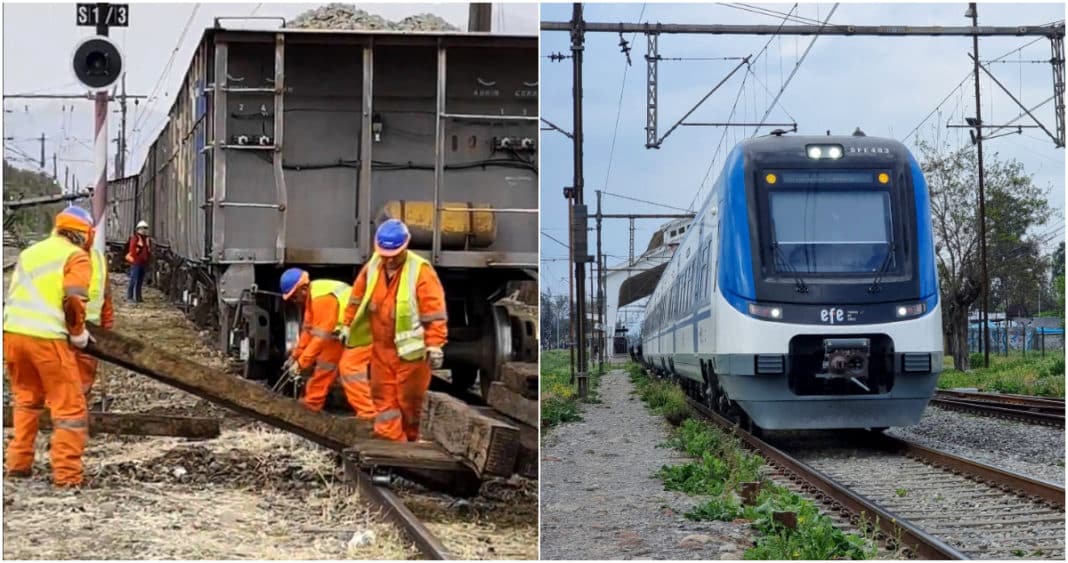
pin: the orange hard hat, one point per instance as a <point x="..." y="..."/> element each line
<point x="74" y="219"/>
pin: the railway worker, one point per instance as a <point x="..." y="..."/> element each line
<point x="139" y="251"/>
<point x="99" y="311"/>
<point x="398" y="307"/>
<point x="319" y="347"/>
<point x="44" y="320"/>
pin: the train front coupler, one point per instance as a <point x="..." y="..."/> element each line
<point x="847" y="358"/>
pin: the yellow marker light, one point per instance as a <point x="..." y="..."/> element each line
<point x="771" y="178"/>
<point x="884" y="178"/>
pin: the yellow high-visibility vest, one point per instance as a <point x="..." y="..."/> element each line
<point x="34" y="305"/>
<point x="408" y="330"/>
<point x="97" y="285"/>
<point x="340" y="290"/>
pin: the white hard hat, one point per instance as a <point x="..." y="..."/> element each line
<point x="142" y="225"/>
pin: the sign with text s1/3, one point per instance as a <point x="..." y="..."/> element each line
<point x="112" y="15"/>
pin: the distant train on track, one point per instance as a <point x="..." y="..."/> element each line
<point x="805" y="294"/>
<point x="287" y="147"/>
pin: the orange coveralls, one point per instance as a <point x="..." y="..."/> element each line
<point x="319" y="346"/>
<point x="398" y="387"/>
<point x="43" y="370"/>
<point x="87" y="365"/>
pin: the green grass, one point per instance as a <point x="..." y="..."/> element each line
<point x="663" y="397"/>
<point x="1030" y="375"/>
<point x="559" y="398"/>
<point x="720" y="464"/>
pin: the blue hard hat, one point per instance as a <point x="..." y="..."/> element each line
<point x="292" y="280"/>
<point x="392" y="237"/>
<point x="80" y="213"/>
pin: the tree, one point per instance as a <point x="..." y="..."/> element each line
<point x="19" y="183"/>
<point x="555" y="319"/>
<point x="1013" y="205"/>
<point x="1058" y="291"/>
<point x="1057" y="262"/>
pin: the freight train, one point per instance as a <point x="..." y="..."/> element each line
<point x="805" y="294"/>
<point x="287" y="147"/>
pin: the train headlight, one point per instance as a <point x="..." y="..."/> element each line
<point x="817" y="152"/>
<point x="765" y="311"/>
<point x="911" y="310"/>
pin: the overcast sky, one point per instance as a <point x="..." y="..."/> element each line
<point x="884" y="85"/>
<point x="39" y="40"/>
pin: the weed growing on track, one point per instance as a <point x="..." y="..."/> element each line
<point x="1030" y="375"/>
<point x="559" y="400"/>
<point x="720" y="464"/>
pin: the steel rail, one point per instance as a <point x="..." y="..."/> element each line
<point x="1006" y="410"/>
<point x="925" y="545"/>
<point x="393" y="507"/>
<point x="1020" y="484"/>
<point x="1006" y="398"/>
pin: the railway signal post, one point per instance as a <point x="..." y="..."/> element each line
<point x="98" y="65"/>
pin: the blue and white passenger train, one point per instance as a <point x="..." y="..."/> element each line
<point x="805" y="294"/>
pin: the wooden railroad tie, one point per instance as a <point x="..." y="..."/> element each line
<point x="136" y="424"/>
<point x="427" y="463"/>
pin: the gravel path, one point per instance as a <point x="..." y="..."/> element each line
<point x="1028" y="449"/>
<point x="599" y="497"/>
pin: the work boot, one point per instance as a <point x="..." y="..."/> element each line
<point x="70" y="485"/>
<point x="18" y="473"/>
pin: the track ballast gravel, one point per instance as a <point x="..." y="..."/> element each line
<point x="1028" y="449"/>
<point x="601" y="500"/>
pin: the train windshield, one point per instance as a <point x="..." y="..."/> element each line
<point x="832" y="231"/>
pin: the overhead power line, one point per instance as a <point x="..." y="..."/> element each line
<point x="153" y="99"/>
<point x="794" y="71"/>
<point x="664" y="205"/>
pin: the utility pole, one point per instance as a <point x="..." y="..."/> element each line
<point x="578" y="247"/>
<point x="55" y="167"/>
<point x="42" y="151"/>
<point x="630" y="253"/>
<point x="66" y="179"/>
<point x="600" y="289"/>
<point x="973" y="12"/>
<point x="121" y="172"/>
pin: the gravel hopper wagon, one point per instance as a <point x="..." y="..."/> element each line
<point x="287" y="147"/>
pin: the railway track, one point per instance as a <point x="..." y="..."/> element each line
<point x="1023" y="408"/>
<point x="375" y="490"/>
<point x="931" y="504"/>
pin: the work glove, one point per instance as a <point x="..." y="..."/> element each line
<point x="298" y="374"/>
<point x="288" y="363"/>
<point x="82" y="340"/>
<point x="436" y="357"/>
<point x="342" y="336"/>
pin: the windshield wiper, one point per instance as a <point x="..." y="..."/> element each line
<point x="780" y="257"/>
<point x="874" y="287"/>
<point x="799" y="284"/>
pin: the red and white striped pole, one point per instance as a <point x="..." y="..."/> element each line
<point x="100" y="153"/>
